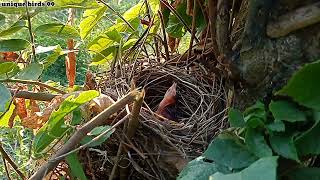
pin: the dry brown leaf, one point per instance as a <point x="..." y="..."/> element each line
<point x="36" y="119"/>
<point x="90" y="83"/>
<point x="21" y="109"/>
<point x="169" y="99"/>
<point x="9" y="56"/>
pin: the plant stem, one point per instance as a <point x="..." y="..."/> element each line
<point x="11" y="162"/>
<point x="35" y="83"/>
<point x="30" y="32"/>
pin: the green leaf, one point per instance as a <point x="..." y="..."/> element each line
<point x="4" y="121"/>
<point x="31" y="72"/>
<point x="311" y="173"/>
<point x="13" y="45"/>
<point x="263" y="169"/>
<point x="276" y="126"/>
<point x="2" y="19"/>
<point x="256" y="143"/>
<point x="106" y="54"/>
<point x="55" y="127"/>
<point x="66" y="4"/>
<point x="96" y="132"/>
<point x="226" y="150"/>
<point x="57" y="30"/>
<point x="7" y="67"/>
<point x="306" y="142"/>
<point x="52" y="58"/>
<point x="283" y="145"/>
<point x="76" y="117"/>
<point x="91" y="18"/>
<point x="286" y="111"/>
<point x="5" y="97"/>
<point x="236" y="118"/>
<point x="198" y="169"/>
<point x="175" y="27"/>
<point x="76" y="167"/>
<point x="17" y="26"/>
<point x="302" y="87"/>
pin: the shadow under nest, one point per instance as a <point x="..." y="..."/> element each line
<point x="161" y="147"/>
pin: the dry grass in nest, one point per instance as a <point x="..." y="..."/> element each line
<point x="200" y="115"/>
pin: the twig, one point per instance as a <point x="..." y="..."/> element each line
<point x="134" y="117"/>
<point x="11" y="162"/>
<point x="117" y="13"/>
<point x="116" y="163"/>
<point x="30" y="32"/>
<point x="35" y="83"/>
<point x="6" y="167"/>
<point x="193" y="31"/>
<point x="164" y="2"/>
<point x="69" y="146"/>
<point x="165" y="41"/>
<point x="32" y="95"/>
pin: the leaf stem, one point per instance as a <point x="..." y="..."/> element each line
<point x="30" y="32"/>
<point x="35" y="83"/>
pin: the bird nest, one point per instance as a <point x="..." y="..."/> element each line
<point x="161" y="147"/>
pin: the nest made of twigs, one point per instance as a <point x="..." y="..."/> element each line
<point x="199" y="115"/>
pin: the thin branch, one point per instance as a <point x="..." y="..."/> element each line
<point x="164" y="2"/>
<point x="6" y="167"/>
<point x="193" y="31"/>
<point x="11" y="162"/>
<point x="134" y="117"/>
<point x="118" y="14"/>
<point x="165" y="41"/>
<point x="75" y="139"/>
<point x="212" y="8"/>
<point x="32" y="95"/>
<point x="35" y="83"/>
<point x="30" y="32"/>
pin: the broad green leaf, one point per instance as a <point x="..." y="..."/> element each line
<point x="57" y="30"/>
<point x="91" y="18"/>
<point x="105" y="54"/>
<point x="103" y="41"/>
<point x="76" y="117"/>
<point x="7" y="67"/>
<point x="255" y="115"/>
<point x="31" y="72"/>
<point x="310" y="173"/>
<point x="76" y="167"/>
<point x="276" y="126"/>
<point x="14" y="28"/>
<point x="226" y="150"/>
<point x="42" y="49"/>
<point x="283" y="145"/>
<point x="4" y="121"/>
<point x="12" y="10"/>
<point x="129" y="44"/>
<point x="2" y="19"/>
<point x="13" y="45"/>
<point x="302" y="87"/>
<point x="52" y="58"/>
<point x="94" y="133"/>
<point x="114" y="35"/>
<point x="256" y="143"/>
<point x="263" y="169"/>
<point x="175" y="27"/>
<point x="66" y="4"/>
<point x="286" y="111"/>
<point x="198" y="169"/>
<point x="306" y="142"/>
<point x="154" y="5"/>
<point x="55" y="127"/>
<point x="5" y="97"/>
<point x="236" y="118"/>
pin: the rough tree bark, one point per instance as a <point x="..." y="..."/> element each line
<point x="267" y="63"/>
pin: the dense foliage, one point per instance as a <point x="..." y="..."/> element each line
<point x="270" y="140"/>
